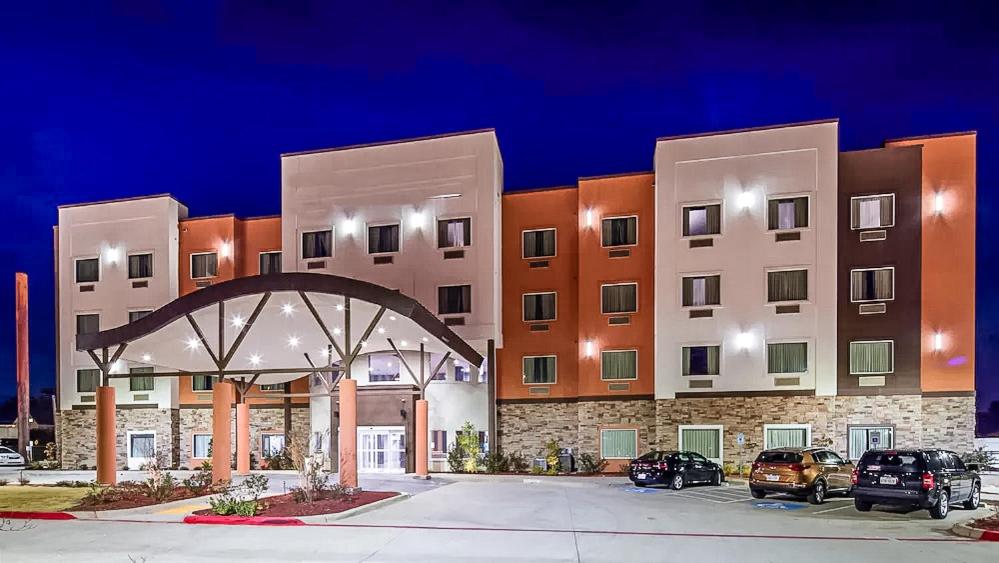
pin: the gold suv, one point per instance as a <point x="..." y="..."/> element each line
<point x="812" y="473"/>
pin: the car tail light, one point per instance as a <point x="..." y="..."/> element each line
<point x="663" y="465"/>
<point x="928" y="481"/>
<point x="855" y="477"/>
<point x="796" y="467"/>
<point x="757" y="465"/>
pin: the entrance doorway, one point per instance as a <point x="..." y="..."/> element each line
<point x="381" y="449"/>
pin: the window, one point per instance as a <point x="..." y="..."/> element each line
<point x="88" y="270"/>
<point x="619" y="298"/>
<point x="872" y="212"/>
<point x="271" y="444"/>
<point x="454" y="233"/>
<point x="272" y="387"/>
<point x="204" y="265"/>
<point x="701" y="360"/>
<point x="202" y="445"/>
<point x="619" y="231"/>
<point x="702" y="220"/>
<point x="826" y="456"/>
<point x="142" y="445"/>
<point x="383" y="367"/>
<point x="139" y="382"/>
<point x="136" y="315"/>
<point x="871" y="358"/>
<point x="86" y="380"/>
<point x="787" y="285"/>
<point x="787" y="357"/>
<point x="202" y="382"/>
<point x="270" y="263"/>
<point x="454" y="299"/>
<point x="539" y="369"/>
<point x="539" y="307"/>
<point x="876" y="284"/>
<point x="787" y="436"/>
<point x="88" y="324"/>
<point x="619" y="364"/>
<point x="317" y="244"/>
<point x="438" y="442"/>
<point x="618" y="443"/>
<point x="704" y="440"/>
<point x="441" y="374"/>
<point x="539" y="243"/>
<point x="787" y="213"/>
<point x="863" y="438"/>
<point x="462" y="371"/>
<point x="383" y="239"/>
<point x="700" y="291"/>
<point x="140" y="266"/>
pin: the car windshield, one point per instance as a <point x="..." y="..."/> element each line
<point x="891" y="461"/>
<point x="5" y="450"/>
<point x="779" y="457"/>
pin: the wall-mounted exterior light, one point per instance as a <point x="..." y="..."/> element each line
<point x="349" y="226"/>
<point x="938" y="341"/>
<point x="588" y="218"/>
<point x="416" y="220"/>
<point x="938" y="203"/>
<point x="744" y="341"/>
<point x="745" y="200"/>
<point x="588" y="348"/>
<point x="112" y="254"/>
<point x="225" y="249"/>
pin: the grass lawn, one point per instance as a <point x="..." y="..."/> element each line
<point x="39" y="499"/>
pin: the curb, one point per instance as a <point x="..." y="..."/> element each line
<point x="975" y="533"/>
<point x="37" y="515"/>
<point x="320" y="518"/>
<point x="243" y="520"/>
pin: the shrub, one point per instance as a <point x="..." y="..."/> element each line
<point x="456" y="459"/>
<point x="551" y="453"/>
<point x="51" y="453"/>
<point x="159" y="484"/>
<point x="201" y="482"/>
<point x="978" y="456"/>
<point x="313" y="482"/>
<point x="3" y="482"/>
<point x="517" y="462"/>
<point x="22" y="480"/>
<point x="280" y="460"/>
<point x="101" y="494"/>
<point x="536" y="470"/>
<point x="35" y="465"/>
<point x="496" y="462"/>
<point x="468" y="441"/>
<point x="84" y="466"/>
<point x="240" y="499"/>
<point x="589" y="464"/>
<point x="72" y="484"/>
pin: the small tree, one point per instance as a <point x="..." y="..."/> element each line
<point x="468" y="443"/>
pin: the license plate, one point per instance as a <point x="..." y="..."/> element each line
<point x="888" y="480"/>
<point x="773" y="477"/>
<point x="641" y="475"/>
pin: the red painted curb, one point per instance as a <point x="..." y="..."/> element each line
<point x="243" y="520"/>
<point x="989" y="535"/>
<point x="37" y="515"/>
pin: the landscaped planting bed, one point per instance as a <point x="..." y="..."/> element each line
<point x="286" y="505"/>
<point x="131" y="495"/>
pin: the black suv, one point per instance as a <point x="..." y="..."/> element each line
<point x="931" y="479"/>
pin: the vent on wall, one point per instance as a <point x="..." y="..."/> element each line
<point x="539" y="327"/>
<point x="87" y="398"/>
<point x="204" y="396"/>
<point x="143" y="397"/>
<point x="85" y="288"/>
<point x="786" y="381"/>
<point x="318" y="265"/>
<point x="143" y="283"/>
<point x="202" y="283"/>
<point x="785" y="237"/>
<point x="382" y="259"/>
<point x="619" y="320"/>
<point x="700" y="384"/>
<point x="620" y="253"/>
<point x="701" y="242"/>
<point x="453" y="254"/>
<point x="868" y="236"/>
<point x="618" y="386"/>
<point x="537" y="264"/>
<point x="454" y="321"/>
<point x="872" y="308"/>
<point x="871" y="381"/>
<point x="701" y="313"/>
<point x="538" y="390"/>
<point x="787" y="309"/>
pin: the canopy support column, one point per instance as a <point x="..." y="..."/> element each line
<point x="221" y="431"/>
<point x="106" y="413"/>
<point x="348" y="432"/>
<point x="242" y="438"/>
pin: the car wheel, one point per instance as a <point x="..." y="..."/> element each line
<point x="975" y="499"/>
<point x="939" y="510"/>
<point x="677" y="483"/>
<point x="757" y="493"/>
<point x="862" y="505"/>
<point x="818" y="494"/>
<point x="716" y="478"/>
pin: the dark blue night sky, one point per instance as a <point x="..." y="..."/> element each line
<point x="198" y="99"/>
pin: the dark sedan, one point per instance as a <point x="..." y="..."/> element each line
<point x="676" y="469"/>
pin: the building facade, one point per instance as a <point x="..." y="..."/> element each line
<point x="756" y="288"/>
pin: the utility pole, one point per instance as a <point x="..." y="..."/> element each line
<point x="23" y="388"/>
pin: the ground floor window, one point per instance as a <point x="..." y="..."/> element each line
<point x="863" y="438"/>
<point x="787" y="436"/>
<point x="438" y="442"/>
<point x="618" y="443"/>
<point x="202" y="382"/>
<point x="202" y="445"/>
<point x="705" y="440"/>
<point x="271" y="444"/>
<point x="141" y="448"/>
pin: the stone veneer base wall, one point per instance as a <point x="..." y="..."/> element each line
<point x="262" y="421"/>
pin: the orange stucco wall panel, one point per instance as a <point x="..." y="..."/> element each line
<point x="948" y="261"/>
<point x="207" y="234"/>
<point x="253" y="237"/>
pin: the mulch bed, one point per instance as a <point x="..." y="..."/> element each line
<point x="285" y="505"/>
<point x="132" y="496"/>
<point x="989" y="523"/>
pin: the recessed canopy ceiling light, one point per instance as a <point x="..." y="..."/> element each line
<point x="192" y="343"/>
<point x="146" y="357"/>
<point x="324" y="353"/>
<point x="238" y="321"/>
<point x="287" y="309"/>
<point x="336" y="330"/>
<point x="381" y="330"/>
<point x="255" y="359"/>
<point x="404" y="343"/>
<point x="293" y="341"/>
<point x="391" y="317"/>
<point x="364" y="344"/>
<point x="425" y="339"/>
<point x="339" y="307"/>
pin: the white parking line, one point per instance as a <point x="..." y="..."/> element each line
<point x="833" y="509"/>
<point x="717" y="497"/>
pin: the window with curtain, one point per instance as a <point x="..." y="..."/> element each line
<point x="618" y="443"/>
<point x="317" y="244"/>
<point x="619" y="298"/>
<point x="438" y="442"/>
<point x="454" y="233"/>
<point x="872" y="357"/>
<point x="701" y="291"/>
<point x="539" y="243"/>
<point x="383" y="239"/>
<point x="137" y="381"/>
<point x="787" y="213"/>
<point x="270" y="263"/>
<point x="271" y="444"/>
<point x="705" y="441"/>
<point x="142" y="445"/>
<point x="202" y="445"/>
<point x="872" y="285"/>
<point x="863" y="438"/>
<point x="202" y="382"/>
<point x="700" y="360"/>
<point x="86" y="380"/>
<point x="205" y="265"/>
<point x="88" y="270"/>
<point x="136" y="315"/>
<point x="702" y="220"/>
<point x="787" y="285"/>
<point x="539" y="307"/>
<point x="619" y="231"/>
<point x="539" y="369"/>
<point x="787" y="357"/>
<point x="454" y="299"/>
<point x="140" y="266"/>
<point x="872" y="212"/>
<point x="383" y="367"/>
<point x="88" y="324"/>
<point x="619" y="364"/>
<point x="785" y="437"/>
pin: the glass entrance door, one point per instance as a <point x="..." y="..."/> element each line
<point x="381" y="449"/>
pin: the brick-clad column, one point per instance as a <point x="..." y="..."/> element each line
<point x="221" y="430"/>
<point x="242" y="439"/>
<point x="348" y="432"/>
<point x="106" y="452"/>
<point x="421" y="438"/>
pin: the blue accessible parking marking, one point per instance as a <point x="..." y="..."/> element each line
<point x="640" y="490"/>
<point x="777" y="506"/>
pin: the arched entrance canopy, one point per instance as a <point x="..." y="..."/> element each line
<point x="274" y="327"/>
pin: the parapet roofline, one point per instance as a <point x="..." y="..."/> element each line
<point x="930" y="136"/>
<point x="121" y="200"/>
<point x="515" y="191"/>
<point x="748" y="129"/>
<point x="615" y="175"/>
<point x="392" y="142"/>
